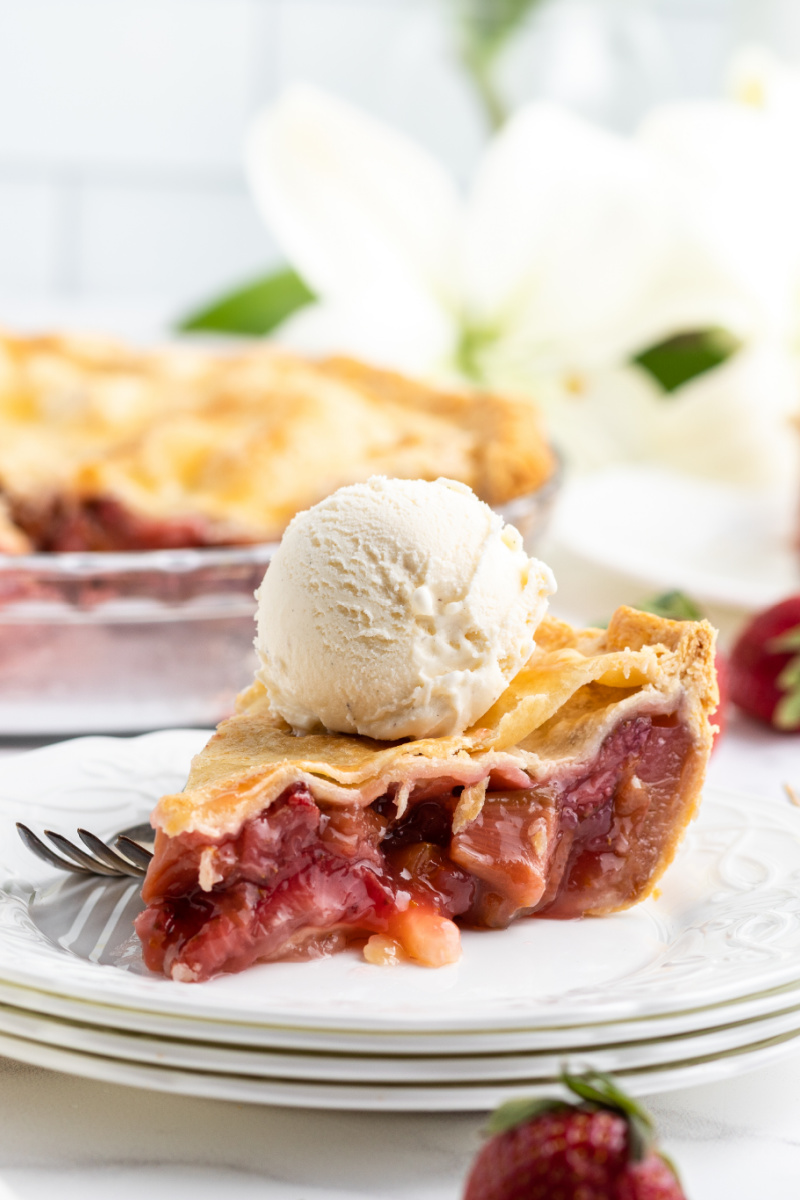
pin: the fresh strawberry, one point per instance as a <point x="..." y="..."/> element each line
<point x="765" y="666"/>
<point x="600" y="1149"/>
<point x="678" y="607"/>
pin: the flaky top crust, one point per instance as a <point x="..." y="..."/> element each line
<point x="241" y="440"/>
<point x="575" y="688"/>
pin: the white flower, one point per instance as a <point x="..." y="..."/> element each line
<point x="738" y="161"/>
<point x="567" y="253"/>
<point x="740" y="165"/>
<point x="574" y="249"/>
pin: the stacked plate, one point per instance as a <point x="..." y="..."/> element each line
<point x="700" y="984"/>
<point x="716" y="542"/>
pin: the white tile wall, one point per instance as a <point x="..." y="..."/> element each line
<point x="700" y="42"/>
<point x="121" y="126"/>
<point x="121" y="122"/>
<point x="774" y="21"/>
<point x="178" y="241"/>
<point x="606" y="59"/>
<point x="27" y="236"/>
<point x="395" y="59"/>
<point x="104" y="82"/>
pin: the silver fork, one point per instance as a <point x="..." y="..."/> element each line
<point x="132" y="858"/>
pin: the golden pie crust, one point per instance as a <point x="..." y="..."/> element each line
<point x="236" y="443"/>
<point x="577" y="687"/>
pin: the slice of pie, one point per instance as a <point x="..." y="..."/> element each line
<point x="103" y="447"/>
<point x="568" y="799"/>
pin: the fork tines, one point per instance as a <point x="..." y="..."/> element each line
<point x="102" y="860"/>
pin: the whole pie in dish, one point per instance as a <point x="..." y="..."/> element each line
<point x="567" y="799"/>
<point x="107" y="448"/>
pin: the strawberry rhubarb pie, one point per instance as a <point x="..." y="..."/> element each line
<point x="424" y="749"/>
<point x="107" y="448"/>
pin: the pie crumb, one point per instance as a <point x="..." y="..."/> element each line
<point x="208" y="874"/>
<point x="383" y="951"/>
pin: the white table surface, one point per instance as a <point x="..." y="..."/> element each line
<point x="67" y="1137"/>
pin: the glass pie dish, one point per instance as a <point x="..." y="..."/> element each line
<point x="148" y="639"/>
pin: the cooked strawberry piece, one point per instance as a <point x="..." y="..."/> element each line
<point x="354" y="833"/>
<point x="248" y="923"/>
<point x="507" y="846"/>
<point x="594" y="789"/>
<point x="424" y="867"/>
<point x="260" y="851"/>
<point x="162" y="925"/>
<point x="277" y="837"/>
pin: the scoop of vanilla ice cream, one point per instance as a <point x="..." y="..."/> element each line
<point x="397" y="608"/>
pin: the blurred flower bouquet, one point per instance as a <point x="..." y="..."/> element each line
<point x="644" y="290"/>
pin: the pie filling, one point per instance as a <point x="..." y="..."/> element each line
<point x="304" y="879"/>
<point x="104" y="524"/>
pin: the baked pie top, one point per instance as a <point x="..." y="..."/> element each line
<point x="575" y="688"/>
<point x="234" y="444"/>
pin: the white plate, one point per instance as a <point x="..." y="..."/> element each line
<point x="464" y="1097"/>
<point x="439" y="1044"/>
<point x="493" y="1068"/>
<point x="717" y="543"/>
<point x="726" y="927"/>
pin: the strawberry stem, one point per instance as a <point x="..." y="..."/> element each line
<point x="601" y="1091"/>
<point x="596" y="1091"/>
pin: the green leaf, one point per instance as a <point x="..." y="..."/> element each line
<point x="603" y="1090"/>
<point x="789" y="678"/>
<point x="598" y="1089"/>
<point x="686" y="355"/>
<point x="785" y="643"/>
<point x="519" y="1112"/>
<point x="787" y="711"/>
<point x="257" y="308"/>
<point x="675" y="606"/>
